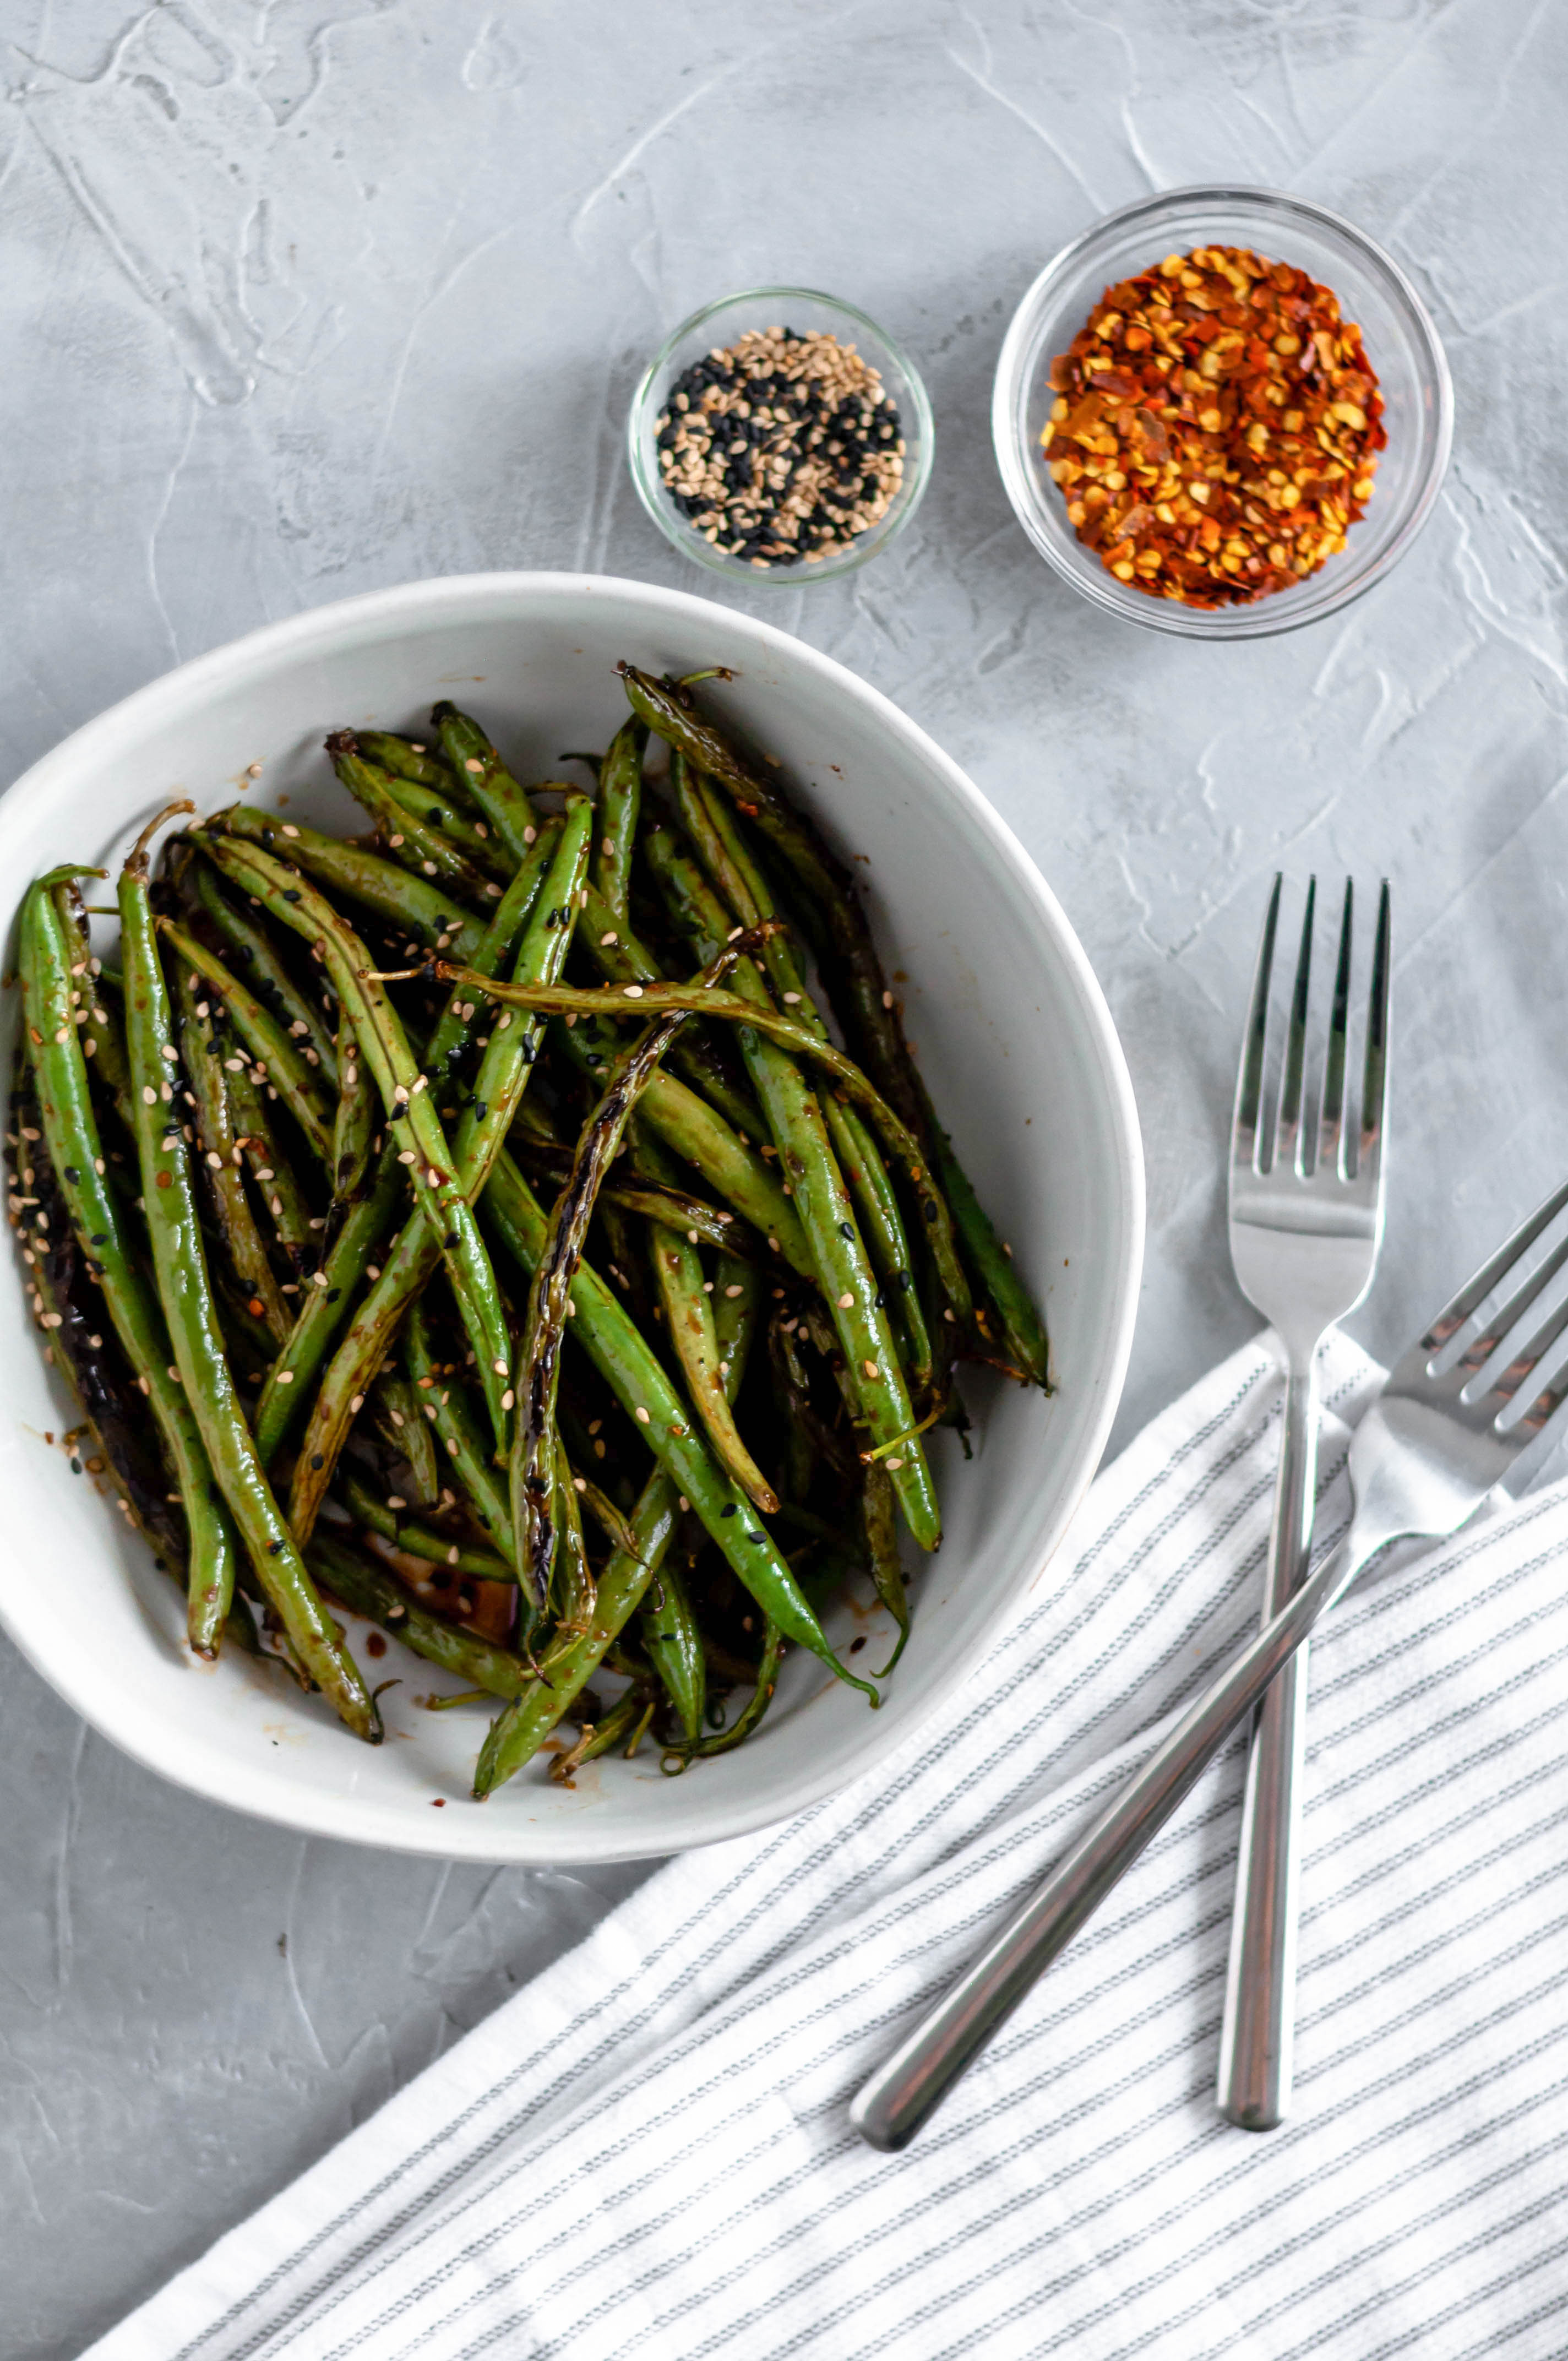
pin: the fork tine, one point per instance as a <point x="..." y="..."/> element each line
<point x="1375" y="1077"/>
<point x="1481" y="1347"/>
<point x="1249" y="1081"/>
<point x="1288" y="1137"/>
<point x="1544" y="1408"/>
<point x="1331" y="1124"/>
<point x="1475" y="1291"/>
<point x="1524" y="1365"/>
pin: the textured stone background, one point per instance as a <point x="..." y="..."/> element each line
<point x="301" y="298"/>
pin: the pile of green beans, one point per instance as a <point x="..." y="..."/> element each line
<point x="503" y="1247"/>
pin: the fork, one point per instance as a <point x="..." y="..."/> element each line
<point x="1424" y="1456"/>
<point x="1305" y="1230"/>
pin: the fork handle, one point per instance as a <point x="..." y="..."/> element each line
<point x="1257" y="2036"/>
<point x="890" y="2107"/>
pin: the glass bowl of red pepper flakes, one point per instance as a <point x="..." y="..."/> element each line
<point x="1260" y="525"/>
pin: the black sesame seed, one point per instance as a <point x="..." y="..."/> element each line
<point x="728" y="1509"/>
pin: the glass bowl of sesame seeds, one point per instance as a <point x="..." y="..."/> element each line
<point x="780" y="435"/>
<point x="1371" y="520"/>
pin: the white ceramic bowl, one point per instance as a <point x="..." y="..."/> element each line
<point x="1014" y="1036"/>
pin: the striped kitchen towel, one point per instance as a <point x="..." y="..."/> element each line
<point x="646" y="2152"/>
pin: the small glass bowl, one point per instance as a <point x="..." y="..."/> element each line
<point x="717" y="326"/>
<point x="1401" y="344"/>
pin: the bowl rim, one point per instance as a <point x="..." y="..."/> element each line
<point x="1247" y="622"/>
<point x="920" y="447"/>
<point x="377" y="615"/>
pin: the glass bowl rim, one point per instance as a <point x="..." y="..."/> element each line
<point x="1248" y="621"/>
<point x="920" y="447"/>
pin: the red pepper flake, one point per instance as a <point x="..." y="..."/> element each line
<point x="1216" y="428"/>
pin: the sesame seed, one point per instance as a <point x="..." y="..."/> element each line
<point x="643" y="1415"/>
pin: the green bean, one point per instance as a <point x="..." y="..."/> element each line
<point x="756" y="1015"/>
<point x="438" y="1186"/>
<point x="637" y="1377"/>
<point x="869" y="1008"/>
<point x="879" y="1527"/>
<point x="571" y="1660"/>
<point x="394" y="1390"/>
<point x="270" y="1169"/>
<point x="535" y="1447"/>
<point x="410" y="758"/>
<point x="180" y="1266"/>
<point x="101" y="1038"/>
<point x="518" y="905"/>
<point x="71" y="1136"/>
<point x="573" y="1586"/>
<point x="598" y="1504"/>
<point x="765" y="1679"/>
<point x="845" y="1274"/>
<point x="486" y="778"/>
<point x="328" y="1302"/>
<point x="373" y="1591"/>
<point x="472" y="1465"/>
<point x="263" y="968"/>
<point x="422" y="911"/>
<point x="701" y="915"/>
<point x="221" y="1163"/>
<point x="701" y="1137"/>
<point x="628" y="1718"/>
<point x="353" y="1124"/>
<point x="714" y="827"/>
<point x="436" y="808"/>
<point x="804" y="1434"/>
<point x="412" y="1535"/>
<point x="274" y="1054"/>
<point x="1023" y="1340"/>
<point x="688" y="1318"/>
<point x="669" y="1630"/>
<point x="416" y="846"/>
<point x="662" y="1202"/>
<point x="502" y="1074"/>
<point x="618" y="956"/>
<point x="619" y="802"/>
<point x="866" y="1005"/>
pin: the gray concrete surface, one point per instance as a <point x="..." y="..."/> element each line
<point x="300" y="297"/>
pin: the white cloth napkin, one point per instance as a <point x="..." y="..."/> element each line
<point x="646" y="2152"/>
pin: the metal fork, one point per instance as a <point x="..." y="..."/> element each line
<point x="1423" y="1458"/>
<point x="1305" y="1230"/>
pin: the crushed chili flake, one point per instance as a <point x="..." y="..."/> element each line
<point x="1216" y="427"/>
